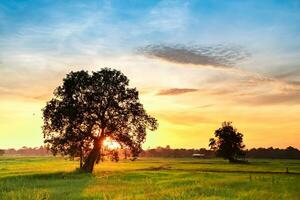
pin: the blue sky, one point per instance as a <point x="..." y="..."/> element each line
<point x="189" y="59"/>
<point x="41" y="25"/>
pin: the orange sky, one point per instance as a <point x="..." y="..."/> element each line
<point x="187" y="117"/>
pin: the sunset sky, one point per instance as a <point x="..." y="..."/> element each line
<point x="195" y="63"/>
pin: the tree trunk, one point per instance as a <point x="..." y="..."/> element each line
<point x="81" y="157"/>
<point x="92" y="157"/>
<point x="125" y="154"/>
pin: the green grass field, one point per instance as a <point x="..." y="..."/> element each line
<point x="54" y="178"/>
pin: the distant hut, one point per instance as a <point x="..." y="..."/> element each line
<point x="198" y="155"/>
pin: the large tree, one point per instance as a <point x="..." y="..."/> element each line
<point x="228" y="142"/>
<point x="87" y="108"/>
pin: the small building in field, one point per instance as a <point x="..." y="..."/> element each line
<point x="198" y="155"/>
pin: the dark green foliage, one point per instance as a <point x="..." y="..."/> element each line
<point x="228" y="142"/>
<point x="87" y="108"/>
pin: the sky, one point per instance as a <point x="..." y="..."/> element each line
<point x="195" y="63"/>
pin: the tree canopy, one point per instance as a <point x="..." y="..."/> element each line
<point x="228" y="142"/>
<point x="89" y="107"/>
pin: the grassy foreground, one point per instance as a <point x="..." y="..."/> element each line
<point x="54" y="178"/>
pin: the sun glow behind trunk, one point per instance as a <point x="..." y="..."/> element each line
<point x="111" y="144"/>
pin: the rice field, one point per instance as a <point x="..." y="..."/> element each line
<point x="27" y="178"/>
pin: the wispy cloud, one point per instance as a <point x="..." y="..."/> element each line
<point x="206" y="106"/>
<point x="224" y="56"/>
<point x="176" y="91"/>
<point x="289" y="73"/>
<point x="290" y="98"/>
<point x="256" y="91"/>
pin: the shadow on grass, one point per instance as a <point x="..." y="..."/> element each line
<point x="57" y="185"/>
<point x="53" y="175"/>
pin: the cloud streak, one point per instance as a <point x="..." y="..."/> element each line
<point x="175" y="91"/>
<point x="220" y="56"/>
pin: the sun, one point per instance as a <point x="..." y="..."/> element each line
<point x="111" y="144"/>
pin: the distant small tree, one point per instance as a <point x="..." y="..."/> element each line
<point x="114" y="155"/>
<point x="228" y="142"/>
<point x="2" y="152"/>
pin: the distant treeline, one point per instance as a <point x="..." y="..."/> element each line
<point x="176" y="153"/>
<point x="28" y="151"/>
<point x="288" y="153"/>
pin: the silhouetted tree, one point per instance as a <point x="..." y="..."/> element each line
<point x="87" y="108"/>
<point x="228" y="142"/>
<point x="114" y="155"/>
